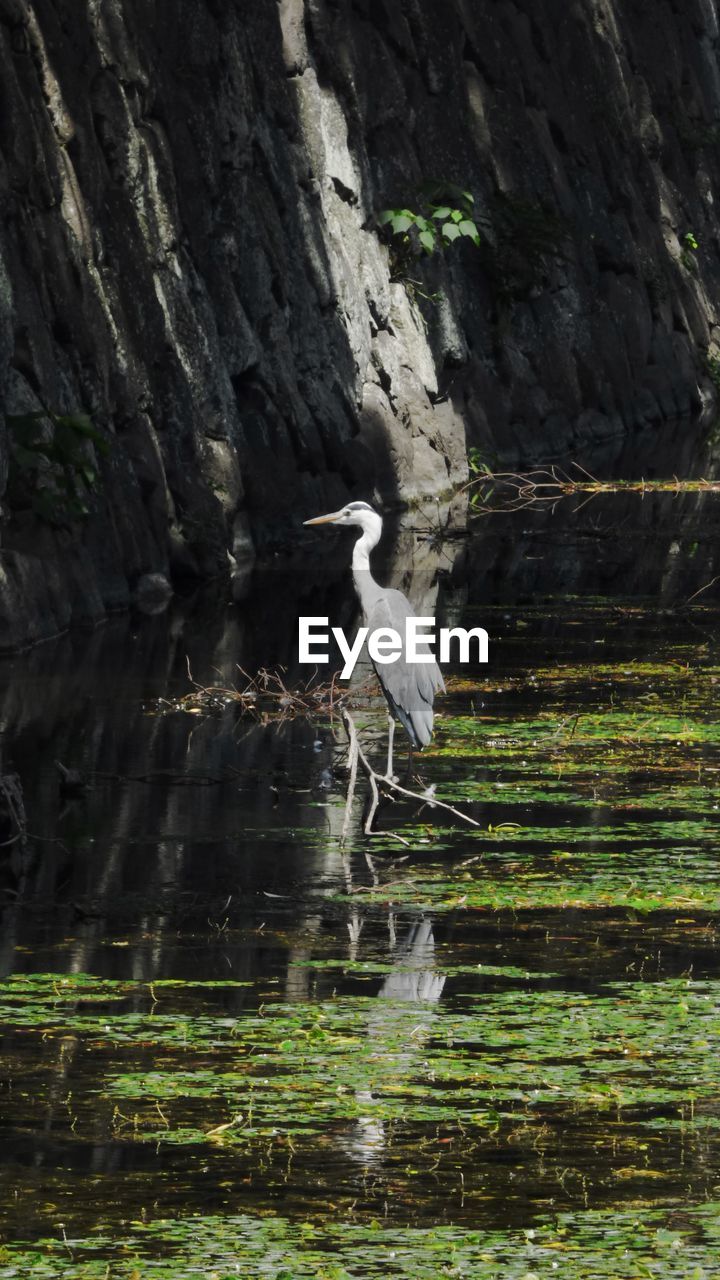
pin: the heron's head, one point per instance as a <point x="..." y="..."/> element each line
<point x="357" y="513"/>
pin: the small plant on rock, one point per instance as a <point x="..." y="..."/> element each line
<point x="688" y="251"/>
<point x="712" y="365"/>
<point x="51" y="467"/>
<point x="481" y="480"/>
<point x="528" y="238"/>
<point x="442" y="213"/>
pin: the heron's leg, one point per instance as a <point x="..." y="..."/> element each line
<point x="391" y="735"/>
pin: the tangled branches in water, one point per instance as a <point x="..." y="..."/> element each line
<point x="378" y="783"/>
<point x="267" y="697"/>
<point x="492" y="491"/>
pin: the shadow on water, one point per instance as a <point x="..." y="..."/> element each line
<point x="507" y="1037"/>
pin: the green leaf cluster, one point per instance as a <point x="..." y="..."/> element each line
<point x="690" y="246"/>
<point x="52" y="468"/>
<point x="479" y="469"/>
<point x="712" y="364"/>
<point x="442" y="213"/>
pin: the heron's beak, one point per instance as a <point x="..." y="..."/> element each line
<point x="334" y="515"/>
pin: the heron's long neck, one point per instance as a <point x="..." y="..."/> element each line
<point x="368" y="539"/>
<point x="365" y="585"/>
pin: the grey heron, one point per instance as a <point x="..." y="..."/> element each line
<point x="409" y="688"/>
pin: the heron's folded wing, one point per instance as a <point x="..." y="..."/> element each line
<point x="409" y="687"/>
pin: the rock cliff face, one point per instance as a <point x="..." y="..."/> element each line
<point x="189" y="255"/>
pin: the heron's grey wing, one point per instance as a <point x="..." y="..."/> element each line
<point x="410" y="688"/>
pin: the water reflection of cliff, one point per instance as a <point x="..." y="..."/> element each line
<point x="179" y="808"/>
<point x="658" y="547"/>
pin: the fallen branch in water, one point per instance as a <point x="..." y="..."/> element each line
<point x="512" y="491"/>
<point x="269" y="700"/>
<point x="379" y="782"/>
<point x="266" y="697"/>
<point x="700" y="590"/>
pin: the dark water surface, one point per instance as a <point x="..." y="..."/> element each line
<point x="231" y="1047"/>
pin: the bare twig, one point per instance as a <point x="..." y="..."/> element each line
<point x="378" y="782"/>
<point x="266" y="696"/>
<point x="434" y="804"/>
<point x="512" y="491"/>
<point x="699" y="592"/>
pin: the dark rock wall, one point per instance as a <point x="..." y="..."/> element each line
<point x="188" y="254"/>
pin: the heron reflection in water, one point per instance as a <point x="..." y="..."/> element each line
<point x="409" y="687"/>
<point x="401" y="1021"/>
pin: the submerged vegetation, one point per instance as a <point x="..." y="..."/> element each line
<point x="491" y="1052"/>
<point x="631" y="1245"/>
